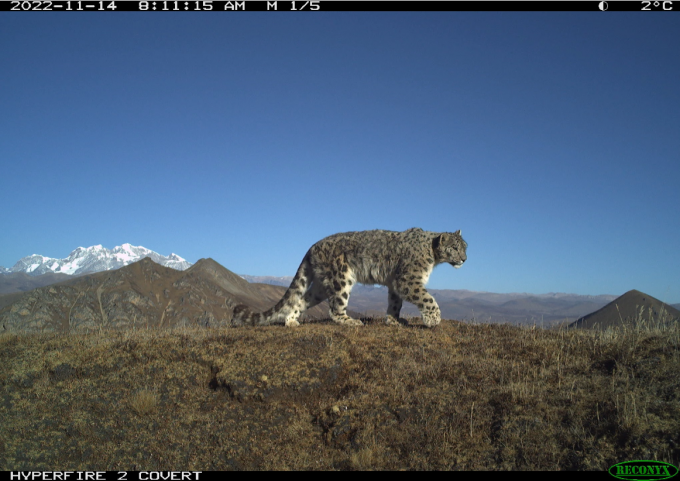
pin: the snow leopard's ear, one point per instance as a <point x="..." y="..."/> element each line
<point x="439" y="240"/>
<point x="458" y="233"/>
<point x="436" y="241"/>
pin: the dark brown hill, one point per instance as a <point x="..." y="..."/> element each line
<point x="141" y="295"/>
<point x="631" y="308"/>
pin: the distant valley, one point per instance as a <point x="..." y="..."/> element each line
<point x="516" y="308"/>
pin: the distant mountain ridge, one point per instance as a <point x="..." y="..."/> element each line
<point x="274" y="281"/>
<point x="22" y="282"/>
<point x="521" y="308"/>
<point x="97" y="258"/>
<point x="145" y="293"/>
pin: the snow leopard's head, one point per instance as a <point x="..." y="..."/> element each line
<point x="450" y="247"/>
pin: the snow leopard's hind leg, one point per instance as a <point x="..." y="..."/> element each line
<point x="338" y="283"/>
<point x="394" y="303"/>
<point x="315" y="295"/>
<point x="295" y="300"/>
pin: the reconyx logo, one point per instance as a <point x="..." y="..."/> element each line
<point x="643" y="470"/>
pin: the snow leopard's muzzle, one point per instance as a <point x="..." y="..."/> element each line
<point x="459" y="262"/>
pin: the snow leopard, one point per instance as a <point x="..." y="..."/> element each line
<point x="401" y="261"/>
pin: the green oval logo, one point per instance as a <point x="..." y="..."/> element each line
<point x="643" y="470"/>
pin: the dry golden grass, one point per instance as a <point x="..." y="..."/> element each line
<point x="322" y="396"/>
<point x="144" y="402"/>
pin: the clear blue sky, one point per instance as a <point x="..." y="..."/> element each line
<point x="551" y="139"/>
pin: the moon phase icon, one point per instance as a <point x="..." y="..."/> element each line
<point x="603" y="6"/>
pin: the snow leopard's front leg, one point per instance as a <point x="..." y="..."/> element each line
<point x="415" y="293"/>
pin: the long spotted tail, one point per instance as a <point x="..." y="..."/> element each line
<point x="287" y="310"/>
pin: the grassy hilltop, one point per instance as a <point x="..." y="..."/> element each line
<point x="322" y="396"/>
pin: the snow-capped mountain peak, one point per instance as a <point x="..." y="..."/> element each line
<point x="93" y="259"/>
